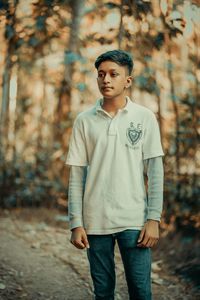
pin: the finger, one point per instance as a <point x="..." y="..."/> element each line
<point x="79" y="247"/>
<point x="154" y="242"/>
<point x="145" y="240"/>
<point x="85" y="241"/>
<point x="150" y="243"/>
<point x="141" y="236"/>
<point x="79" y="244"/>
<point x="142" y="244"/>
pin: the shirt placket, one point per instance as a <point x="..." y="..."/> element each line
<point x="112" y="129"/>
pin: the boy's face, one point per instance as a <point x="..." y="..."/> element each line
<point x="113" y="79"/>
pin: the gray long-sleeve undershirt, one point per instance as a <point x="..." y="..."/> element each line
<point x="155" y="174"/>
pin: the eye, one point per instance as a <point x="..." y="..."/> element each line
<point x="100" y="75"/>
<point x="114" y="74"/>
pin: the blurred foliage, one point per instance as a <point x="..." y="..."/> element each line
<point x="25" y="184"/>
<point x="48" y="50"/>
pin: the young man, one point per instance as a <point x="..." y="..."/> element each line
<point x="111" y="146"/>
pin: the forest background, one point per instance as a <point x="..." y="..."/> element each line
<point x="47" y="76"/>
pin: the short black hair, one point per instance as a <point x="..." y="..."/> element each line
<point x="120" y="57"/>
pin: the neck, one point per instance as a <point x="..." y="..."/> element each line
<point x="113" y="104"/>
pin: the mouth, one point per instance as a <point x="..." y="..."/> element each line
<point x="106" y="88"/>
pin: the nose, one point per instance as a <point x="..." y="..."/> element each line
<point x="106" y="78"/>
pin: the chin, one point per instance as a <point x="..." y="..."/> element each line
<point x="108" y="96"/>
<point x="108" y="93"/>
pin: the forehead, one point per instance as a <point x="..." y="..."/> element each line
<point x="109" y="65"/>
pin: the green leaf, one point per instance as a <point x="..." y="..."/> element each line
<point x="40" y="22"/>
<point x="9" y="32"/>
<point x="81" y="86"/>
<point x="71" y="57"/>
<point x="33" y="41"/>
<point x="159" y="40"/>
<point x="170" y="66"/>
<point x="19" y="42"/>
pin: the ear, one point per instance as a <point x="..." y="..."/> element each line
<point x="128" y="81"/>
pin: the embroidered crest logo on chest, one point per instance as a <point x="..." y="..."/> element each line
<point x="134" y="133"/>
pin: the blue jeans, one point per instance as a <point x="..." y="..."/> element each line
<point x="136" y="261"/>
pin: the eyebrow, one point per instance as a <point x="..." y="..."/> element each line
<point x="108" y="70"/>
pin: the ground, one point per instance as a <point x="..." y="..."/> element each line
<point x="37" y="261"/>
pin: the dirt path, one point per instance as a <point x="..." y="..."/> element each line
<point x="37" y="262"/>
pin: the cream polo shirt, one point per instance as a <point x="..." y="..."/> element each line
<point x="114" y="150"/>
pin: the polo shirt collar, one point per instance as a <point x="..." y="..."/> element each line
<point x="126" y="108"/>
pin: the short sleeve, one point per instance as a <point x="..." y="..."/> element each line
<point x="152" y="146"/>
<point x="77" y="154"/>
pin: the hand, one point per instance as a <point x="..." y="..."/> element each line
<point x="79" y="238"/>
<point x="149" y="235"/>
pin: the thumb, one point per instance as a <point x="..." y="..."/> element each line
<point x="141" y="236"/>
<point x="85" y="241"/>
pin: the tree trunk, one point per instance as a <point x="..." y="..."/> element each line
<point x="6" y="87"/>
<point x="10" y="36"/>
<point x="160" y="115"/>
<point x="121" y="27"/>
<point x="176" y="113"/>
<point x="64" y="103"/>
<point x="62" y="114"/>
